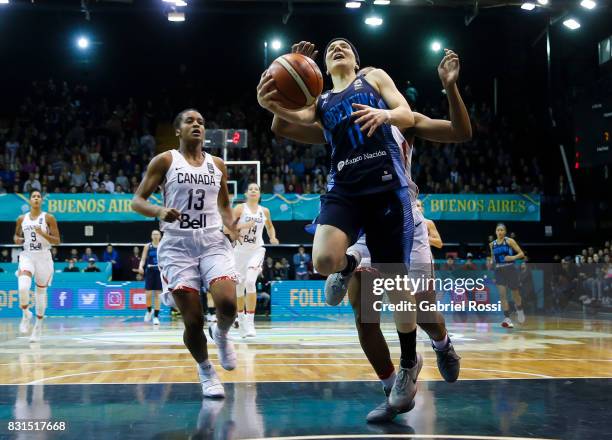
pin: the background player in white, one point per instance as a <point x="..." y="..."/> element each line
<point x="193" y="252"/>
<point x="150" y="269"/>
<point x="434" y="236"/>
<point x="37" y="231"/>
<point x="249" y="253"/>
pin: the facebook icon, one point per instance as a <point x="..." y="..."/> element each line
<point x="61" y="298"/>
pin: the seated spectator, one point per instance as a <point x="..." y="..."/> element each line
<point x="55" y="255"/>
<point x="91" y="267"/>
<point x="2" y="188"/>
<point x="5" y="256"/>
<point x="88" y="255"/>
<point x="469" y="263"/>
<point x="112" y="256"/>
<point x="300" y="264"/>
<point x="71" y="266"/>
<point x="279" y="187"/>
<point x="78" y="177"/>
<point x="268" y="273"/>
<point x="121" y="180"/>
<point x="450" y="264"/>
<point x="31" y="184"/>
<point x="109" y="185"/>
<point x="74" y="254"/>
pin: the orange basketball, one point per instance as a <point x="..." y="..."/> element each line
<point x="297" y="79"/>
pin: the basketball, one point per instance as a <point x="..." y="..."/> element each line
<point x="298" y="80"/>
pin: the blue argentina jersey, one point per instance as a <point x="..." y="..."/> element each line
<point x="152" y="256"/>
<point x="359" y="164"/>
<point x="500" y="250"/>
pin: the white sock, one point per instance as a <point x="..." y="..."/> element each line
<point x="41" y="300"/>
<point x="240" y="316"/>
<point x="389" y="381"/>
<point x="24" y="282"/>
<point x="441" y="345"/>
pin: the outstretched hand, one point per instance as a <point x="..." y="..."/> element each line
<point x="449" y="67"/>
<point x="305" y="48"/>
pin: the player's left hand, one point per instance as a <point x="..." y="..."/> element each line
<point x="274" y="241"/>
<point x="369" y="118"/>
<point x="449" y="67"/>
<point x="305" y="48"/>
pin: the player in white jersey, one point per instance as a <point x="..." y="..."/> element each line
<point x="458" y="129"/>
<point x="37" y="231"/>
<point x="194" y="252"/>
<point x="249" y="253"/>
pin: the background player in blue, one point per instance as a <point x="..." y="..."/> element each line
<point x="368" y="187"/>
<point x="505" y="251"/>
<point x="150" y="270"/>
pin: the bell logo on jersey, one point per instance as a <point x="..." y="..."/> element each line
<point x="340" y="165"/>
<point x="211" y="168"/>
<point x="186" y="222"/>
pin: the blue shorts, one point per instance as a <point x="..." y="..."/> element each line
<point x="386" y="219"/>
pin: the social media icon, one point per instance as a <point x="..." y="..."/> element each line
<point x="114" y="299"/>
<point x="61" y="298"/>
<point x="138" y="299"/>
<point x="88" y="298"/>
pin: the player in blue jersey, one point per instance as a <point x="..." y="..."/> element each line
<point x="368" y="188"/>
<point x="504" y="252"/>
<point x="153" y="284"/>
<point x="456" y="130"/>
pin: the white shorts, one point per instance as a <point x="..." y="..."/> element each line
<point x="190" y="260"/>
<point x="39" y="264"/>
<point x="421" y="258"/>
<point x="248" y="259"/>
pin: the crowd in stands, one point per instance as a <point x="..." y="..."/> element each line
<point x="65" y="138"/>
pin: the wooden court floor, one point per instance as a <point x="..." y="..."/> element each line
<point x="128" y="351"/>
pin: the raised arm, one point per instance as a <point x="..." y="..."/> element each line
<point x="18" y="236"/>
<point x="459" y="128"/>
<point x="53" y="236"/>
<point x="154" y="176"/>
<point x="270" y="227"/>
<point x="434" y="236"/>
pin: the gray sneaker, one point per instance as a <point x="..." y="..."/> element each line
<point x="336" y="287"/>
<point x="405" y="387"/>
<point x="384" y="413"/>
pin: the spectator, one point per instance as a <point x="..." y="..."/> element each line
<point x="122" y="180"/>
<point x="2" y="188"/>
<point x="469" y="263"/>
<point x="71" y="267"/>
<point x="91" y="267"/>
<point x="268" y="273"/>
<point x="112" y="256"/>
<point x="108" y="184"/>
<point x="74" y="254"/>
<point x="12" y="146"/>
<point x="280" y="273"/>
<point x="279" y="187"/>
<point x="411" y="94"/>
<point x="134" y="264"/>
<point x="5" y="256"/>
<point x="88" y="255"/>
<point x="32" y="183"/>
<point x="54" y="255"/>
<point x="300" y="264"/>
<point x="78" y="178"/>
<point x="450" y="264"/>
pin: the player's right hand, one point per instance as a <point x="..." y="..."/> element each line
<point x="140" y="271"/>
<point x="233" y="231"/>
<point x="168" y="214"/>
<point x="266" y="92"/>
<point x="305" y="48"/>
